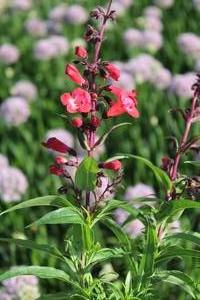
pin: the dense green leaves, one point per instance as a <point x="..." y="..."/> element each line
<point x="194" y="163"/>
<point x="176" y="251"/>
<point x="86" y="175"/>
<point x="105" y="254"/>
<point x="192" y="237"/>
<point x="67" y="215"/>
<point x="40" y="201"/>
<point x="57" y="296"/>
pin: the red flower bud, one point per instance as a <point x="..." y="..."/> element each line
<point x="56" y="145"/>
<point x="60" y="160"/>
<point x="95" y="121"/>
<point x="77" y="122"/>
<point x="56" y="170"/>
<point x="114" y="165"/>
<point x="113" y="71"/>
<point x="74" y="74"/>
<point x="81" y="52"/>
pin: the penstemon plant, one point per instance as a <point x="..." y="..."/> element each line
<point x="85" y="198"/>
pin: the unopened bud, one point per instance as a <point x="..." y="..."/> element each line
<point x="77" y="122"/>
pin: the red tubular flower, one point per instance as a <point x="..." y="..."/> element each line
<point x="77" y="122"/>
<point x="74" y="74"/>
<point x="113" y="71"/>
<point x="95" y="121"/>
<point x="114" y="165"/>
<point x="81" y="52"/>
<point x="56" y="170"/>
<point x="77" y="101"/>
<point x="126" y="103"/>
<point x="56" y="145"/>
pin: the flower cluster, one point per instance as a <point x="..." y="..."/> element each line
<point x="13" y="182"/>
<point x="25" y="287"/>
<point x="87" y="106"/>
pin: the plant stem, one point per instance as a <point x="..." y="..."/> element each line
<point x="188" y="124"/>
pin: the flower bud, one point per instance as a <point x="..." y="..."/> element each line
<point x="74" y="74"/>
<point x="77" y="122"/>
<point x="114" y="165"/>
<point x="56" y="170"/>
<point x="113" y="71"/>
<point x="56" y="145"/>
<point x="95" y="121"/>
<point x="81" y="52"/>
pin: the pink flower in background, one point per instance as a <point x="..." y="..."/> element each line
<point x="58" y="12"/>
<point x="164" y="3"/>
<point x="161" y="78"/>
<point x="36" y="27"/>
<point x="189" y="43"/>
<point x="25" y="89"/>
<point x="152" y="11"/>
<point x="3" y="161"/>
<point x="74" y="74"/>
<point x="152" y="40"/>
<point x="9" y="54"/>
<point x="126" y="103"/>
<point x="22" y="5"/>
<point x="133" y="37"/>
<point x="181" y="85"/>
<point x="77" y="101"/>
<point x="14" y="111"/>
<point x="75" y="14"/>
<point x="13" y="184"/>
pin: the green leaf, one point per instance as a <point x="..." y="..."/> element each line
<point x="105" y="254"/>
<point x="194" y="163"/>
<point x="148" y="258"/>
<point x="169" y="209"/>
<point x="160" y="175"/>
<point x="175" y="251"/>
<point x="192" y="237"/>
<point x="67" y="215"/>
<point x="57" y="296"/>
<point x="41" y="272"/>
<point x="111" y="205"/>
<point x="51" y="250"/>
<point x="103" y="138"/>
<point x="86" y="174"/>
<point x="40" y="201"/>
<point x="178" y="278"/>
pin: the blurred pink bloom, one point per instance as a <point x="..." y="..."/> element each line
<point x="58" y="12"/>
<point x="133" y="37"/>
<point x="189" y="43"/>
<point x="76" y="14"/>
<point x="36" y="27"/>
<point x="181" y="85"/>
<point x="9" y="54"/>
<point x="3" y="161"/>
<point x="164" y="3"/>
<point x="14" y="111"/>
<point x="152" y="40"/>
<point x="21" y="4"/>
<point x="25" y="89"/>
<point x="161" y="78"/>
<point x="13" y="184"/>
<point x="152" y="11"/>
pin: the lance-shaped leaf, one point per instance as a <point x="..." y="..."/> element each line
<point x="86" y="174"/>
<point x="171" y="208"/>
<point x="40" y="201"/>
<point x="103" y="138"/>
<point x="194" y="163"/>
<point x="160" y="175"/>
<point x="48" y="249"/>
<point x="57" y="296"/>
<point x="67" y="215"/>
<point x="192" y="237"/>
<point x="105" y="254"/>
<point x="41" y="272"/>
<point x="175" y="251"/>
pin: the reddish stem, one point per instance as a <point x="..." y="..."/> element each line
<point x="188" y="124"/>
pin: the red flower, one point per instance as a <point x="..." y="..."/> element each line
<point x="114" y="165"/>
<point x="74" y="74"/>
<point x="58" y="171"/>
<point x="95" y="121"/>
<point x="81" y="52"/>
<point x="113" y="71"/>
<point x="126" y="103"/>
<point x="77" y="122"/>
<point x="77" y="101"/>
<point x="56" y="145"/>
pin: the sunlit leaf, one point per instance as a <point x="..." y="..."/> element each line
<point x="86" y="174"/>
